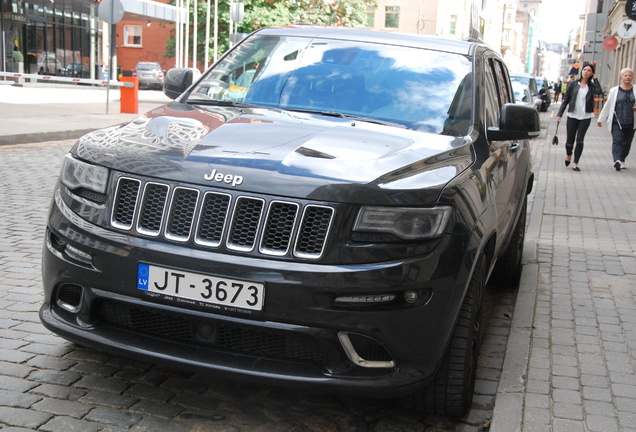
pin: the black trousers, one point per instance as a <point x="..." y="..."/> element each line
<point x="576" y="130"/>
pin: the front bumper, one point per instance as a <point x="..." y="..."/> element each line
<point x="300" y="337"/>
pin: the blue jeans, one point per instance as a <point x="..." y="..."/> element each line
<point x="621" y="141"/>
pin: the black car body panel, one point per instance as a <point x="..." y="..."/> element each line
<point x="313" y="246"/>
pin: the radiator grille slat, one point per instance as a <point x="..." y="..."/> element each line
<point x="125" y="203"/>
<point x="245" y="224"/>
<point x="152" y="208"/>
<point x="182" y="208"/>
<point x="217" y="219"/>
<point x="213" y="218"/>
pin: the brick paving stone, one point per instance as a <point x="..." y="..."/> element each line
<point x="103" y="384"/>
<point x="51" y="362"/>
<point x="599" y="423"/>
<point x="69" y="424"/>
<point x="570" y="411"/>
<point x="55" y="377"/>
<point x="113" y="417"/>
<point x="23" y="417"/>
<point x="153" y="424"/>
<point x="196" y="401"/>
<point x="61" y="407"/>
<point x="16" y="399"/>
<point x="156" y="409"/>
<point x="150" y="392"/>
<point x="108" y="399"/>
<point x="58" y="391"/>
<point x="16" y="384"/>
<point x="8" y="355"/>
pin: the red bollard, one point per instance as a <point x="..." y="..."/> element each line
<point x="129" y="96"/>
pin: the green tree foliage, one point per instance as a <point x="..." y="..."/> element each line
<point x="261" y="13"/>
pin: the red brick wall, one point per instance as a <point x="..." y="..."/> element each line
<point x="153" y="41"/>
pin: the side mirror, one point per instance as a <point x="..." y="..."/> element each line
<point x="516" y="122"/>
<point x="176" y="81"/>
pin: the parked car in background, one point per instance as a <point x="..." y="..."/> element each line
<point x="330" y="222"/>
<point x="48" y="66"/>
<point x="76" y="70"/>
<point x="522" y="94"/>
<point x="530" y="82"/>
<point x="149" y="75"/>
<point x="545" y="92"/>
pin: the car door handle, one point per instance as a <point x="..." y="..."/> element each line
<point x="514" y="146"/>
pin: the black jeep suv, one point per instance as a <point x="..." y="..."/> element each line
<point x="322" y="207"/>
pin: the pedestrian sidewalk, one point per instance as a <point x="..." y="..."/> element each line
<point x="34" y="112"/>
<point x="571" y="355"/>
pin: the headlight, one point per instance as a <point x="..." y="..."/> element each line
<point x="77" y="174"/>
<point x="404" y="222"/>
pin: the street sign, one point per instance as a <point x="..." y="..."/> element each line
<point x="610" y="43"/>
<point x="626" y="29"/>
<point x="630" y="9"/>
<point x="236" y="11"/>
<point x="110" y="11"/>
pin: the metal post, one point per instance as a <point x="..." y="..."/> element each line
<point x="187" y="33"/>
<point x="206" y="55"/>
<point x="216" y="28"/>
<point x="195" y="33"/>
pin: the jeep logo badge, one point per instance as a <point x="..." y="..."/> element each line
<point x="224" y="178"/>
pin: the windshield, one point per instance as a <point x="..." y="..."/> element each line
<point x="420" y="89"/>
<point x="519" y="92"/>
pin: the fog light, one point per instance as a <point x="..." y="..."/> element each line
<point x="366" y="299"/>
<point x="411" y="296"/>
<point x="78" y="255"/>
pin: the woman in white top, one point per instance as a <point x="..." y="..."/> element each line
<point x="620" y="113"/>
<point x="579" y="97"/>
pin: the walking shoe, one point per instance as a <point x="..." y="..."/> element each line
<point x="617" y="165"/>
<point x="622" y="165"/>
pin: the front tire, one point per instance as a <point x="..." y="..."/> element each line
<point x="450" y="394"/>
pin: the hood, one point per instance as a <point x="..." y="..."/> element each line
<point x="269" y="151"/>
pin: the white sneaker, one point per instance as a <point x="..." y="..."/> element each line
<point x="622" y="165"/>
<point x="618" y="165"/>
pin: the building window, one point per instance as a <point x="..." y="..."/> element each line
<point x="132" y="36"/>
<point x="370" y="16"/>
<point x="392" y="17"/>
<point x="453" y="24"/>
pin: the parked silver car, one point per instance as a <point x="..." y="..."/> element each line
<point x="530" y="82"/>
<point x="149" y="75"/>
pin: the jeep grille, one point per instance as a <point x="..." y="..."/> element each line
<point x="219" y="219"/>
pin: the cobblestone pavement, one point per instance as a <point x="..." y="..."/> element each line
<point x="581" y="374"/>
<point x="49" y="384"/>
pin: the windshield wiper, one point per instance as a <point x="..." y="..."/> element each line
<point x="351" y="117"/>
<point x="225" y="103"/>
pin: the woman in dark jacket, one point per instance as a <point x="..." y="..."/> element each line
<point x="579" y="99"/>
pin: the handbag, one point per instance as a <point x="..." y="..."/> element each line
<point x="555" y="138"/>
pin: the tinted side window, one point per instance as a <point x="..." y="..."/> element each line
<point x="492" y="104"/>
<point x="505" y="95"/>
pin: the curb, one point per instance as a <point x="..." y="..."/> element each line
<point x="43" y="136"/>
<point x="510" y="397"/>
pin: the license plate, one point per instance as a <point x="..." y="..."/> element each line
<point x="201" y="288"/>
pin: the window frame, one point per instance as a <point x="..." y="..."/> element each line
<point x="127" y="36"/>
<point x="392" y="12"/>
